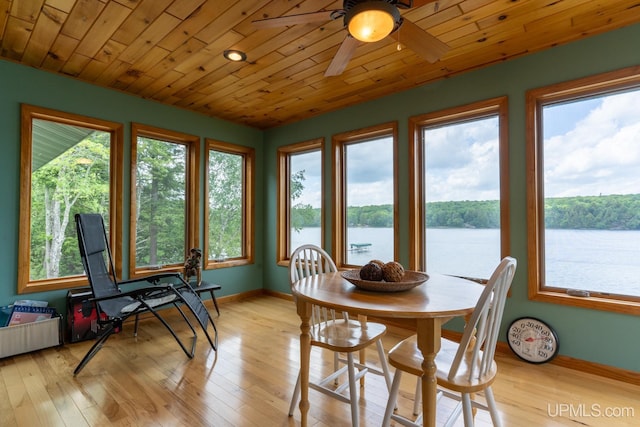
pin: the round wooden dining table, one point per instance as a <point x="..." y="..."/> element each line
<point x="425" y="307"/>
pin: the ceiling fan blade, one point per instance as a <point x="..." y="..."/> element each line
<point x="419" y="3"/>
<point x="420" y="41"/>
<point x="342" y="56"/>
<point x="285" y="21"/>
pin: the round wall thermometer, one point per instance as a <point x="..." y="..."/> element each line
<point x="532" y="340"/>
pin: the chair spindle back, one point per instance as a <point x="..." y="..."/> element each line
<point x="483" y="328"/>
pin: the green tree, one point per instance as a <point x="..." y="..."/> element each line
<point x="75" y="181"/>
<point x="225" y="203"/>
<point x="612" y="212"/>
<point x="302" y="215"/>
<point x="160" y="204"/>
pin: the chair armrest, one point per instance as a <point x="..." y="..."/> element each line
<point x="153" y="278"/>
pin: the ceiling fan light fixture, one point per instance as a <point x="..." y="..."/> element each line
<point x="235" y="55"/>
<point x="371" y="21"/>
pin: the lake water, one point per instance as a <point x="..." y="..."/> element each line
<point x="596" y="260"/>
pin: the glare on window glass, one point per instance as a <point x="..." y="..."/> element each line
<point x="462" y="195"/>
<point x="225" y="205"/>
<point x="70" y="174"/>
<point x="305" y="199"/>
<point x="160" y="190"/>
<point x="592" y="194"/>
<point x="369" y="200"/>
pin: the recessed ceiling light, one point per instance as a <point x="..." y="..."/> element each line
<point x="235" y="55"/>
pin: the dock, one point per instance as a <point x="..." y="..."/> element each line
<point x="359" y="247"/>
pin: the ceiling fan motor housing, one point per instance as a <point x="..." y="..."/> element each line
<point x="348" y="4"/>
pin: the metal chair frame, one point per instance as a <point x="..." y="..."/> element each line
<point x="114" y="305"/>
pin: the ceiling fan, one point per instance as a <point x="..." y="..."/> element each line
<point x="368" y="21"/>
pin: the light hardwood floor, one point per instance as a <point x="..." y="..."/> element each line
<point x="148" y="381"/>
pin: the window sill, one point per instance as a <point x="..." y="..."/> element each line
<point x="591" y="302"/>
<point x="214" y="265"/>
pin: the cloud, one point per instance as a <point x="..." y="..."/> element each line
<point x="600" y="154"/>
<point x="462" y="161"/>
<point x="370" y="172"/>
<point x="370" y="161"/>
<point x="311" y="164"/>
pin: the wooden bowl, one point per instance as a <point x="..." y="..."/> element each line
<point x="410" y="280"/>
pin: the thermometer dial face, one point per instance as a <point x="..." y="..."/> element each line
<point x="532" y="340"/>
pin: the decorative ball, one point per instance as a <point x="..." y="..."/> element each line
<point x="393" y="272"/>
<point x="377" y="261"/>
<point x="371" y="271"/>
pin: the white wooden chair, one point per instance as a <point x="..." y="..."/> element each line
<point x="462" y="369"/>
<point x="336" y="332"/>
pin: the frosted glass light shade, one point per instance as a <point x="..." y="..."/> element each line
<point x="371" y="21"/>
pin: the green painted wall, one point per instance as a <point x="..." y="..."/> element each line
<point x="590" y="335"/>
<point x="20" y="84"/>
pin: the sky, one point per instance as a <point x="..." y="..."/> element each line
<point x="370" y="173"/>
<point x="462" y="161"/>
<point x="600" y="153"/>
<point x="310" y="163"/>
<point x="592" y="147"/>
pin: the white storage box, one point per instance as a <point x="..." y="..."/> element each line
<point x="20" y="339"/>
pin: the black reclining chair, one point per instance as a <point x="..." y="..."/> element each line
<point x="114" y="305"/>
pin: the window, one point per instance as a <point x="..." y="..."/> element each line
<point x="229" y="206"/>
<point x="459" y="192"/>
<point x="583" y="166"/>
<point x="164" y="198"/>
<point x="365" y="196"/>
<point x="300" y="196"/>
<point x="70" y="164"/>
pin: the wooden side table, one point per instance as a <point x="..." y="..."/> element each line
<point x="207" y="287"/>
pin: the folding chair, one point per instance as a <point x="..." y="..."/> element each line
<point x="114" y="305"/>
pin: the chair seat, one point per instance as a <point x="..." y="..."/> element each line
<point x="152" y="302"/>
<point x="346" y="335"/>
<point x="407" y="356"/>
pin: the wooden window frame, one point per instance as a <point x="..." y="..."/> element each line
<point x="536" y="99"/>
<point x="339" y="209"/>
<point x="192" y="192"/>
<point x="28" y="113"/>
<point x="284" y="200"/>
<point x="417" y="227"/>
<point x="248" y="216"/>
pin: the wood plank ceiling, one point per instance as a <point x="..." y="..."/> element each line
<point x="171" y="50"/>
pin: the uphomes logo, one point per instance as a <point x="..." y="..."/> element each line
<point x="595" y="410"/>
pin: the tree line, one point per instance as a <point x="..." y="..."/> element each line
<point x="613" y="212"/>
